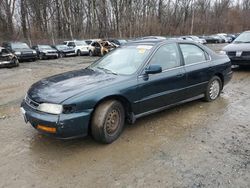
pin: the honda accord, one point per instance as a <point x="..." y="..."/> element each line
<point x="134" y="80"/>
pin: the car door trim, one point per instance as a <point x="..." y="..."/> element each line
<point x="168" y="106"/>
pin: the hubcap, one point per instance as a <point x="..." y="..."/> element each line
<point x="112" y="122"/>
<point x="214" y="89"/>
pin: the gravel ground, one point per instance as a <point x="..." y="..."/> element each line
<point x="193" y="145"/>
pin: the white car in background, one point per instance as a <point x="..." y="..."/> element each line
<point x="225" y="37"/>
<point x="80" y="47"/>
<point x="194" y="38"/>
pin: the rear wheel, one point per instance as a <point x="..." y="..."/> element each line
<point x="214" y="88"/>
<point x="108" y="121"/>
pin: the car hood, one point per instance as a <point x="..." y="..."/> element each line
<point x="58" y="88"/>
<point x="237" y="47"/>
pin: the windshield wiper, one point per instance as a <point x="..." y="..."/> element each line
<point x="106" y="70"/>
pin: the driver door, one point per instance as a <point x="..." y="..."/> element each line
<point x="159" y="90"/>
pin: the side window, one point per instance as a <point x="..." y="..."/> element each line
<point x="192" y="54"/>
<point x="71" y="44"/>
<point x="167" y="57"/>
<point x="4" y="51"/>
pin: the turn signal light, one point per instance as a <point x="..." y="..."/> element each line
<point x="47" y="129"/>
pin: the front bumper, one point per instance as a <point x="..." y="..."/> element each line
<point x="51" y="55"/>
<point x="67" y="125"/>
<point x="26" y="56"/>
<point x="7" y="64"/>
<point x="242" y="60"/>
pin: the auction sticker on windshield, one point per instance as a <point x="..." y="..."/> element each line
<point x="143" y="48"/>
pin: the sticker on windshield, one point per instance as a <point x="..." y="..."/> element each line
<point x="143" y="48"/>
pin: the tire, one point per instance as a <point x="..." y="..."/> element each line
<point x="16" y="62"/>
<point x="108" y="121"/>
<point x="61" y="55"/>
<point x="91" y="53"/>
<point x="213" y="90"/>
<point x="41" y="56"/>
<point x="78" y="53"/>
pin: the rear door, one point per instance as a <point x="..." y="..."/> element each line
<point x="199" y="69"/>
<point x="165" y="88"/>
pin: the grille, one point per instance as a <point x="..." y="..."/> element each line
<point x="31" y="103"/>
<point x="27" y="53"/>
<point x="245" y="54"/>
<point x="231" y="53"/>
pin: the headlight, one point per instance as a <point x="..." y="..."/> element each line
<point x="50" y="108"/>
<point x="34" y="52"/>
<point x="223" y="52"/>
<point x="18" y="53"/>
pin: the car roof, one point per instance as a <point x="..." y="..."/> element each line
<point x="152" y="42"/>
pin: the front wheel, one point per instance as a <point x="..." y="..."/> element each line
<point x="78" y="53"/>
<point x="213" y="90"/>
<point x="41" y="57"/>
<point x="91" y="53"/>
<point x="16" y="62"/>
<point x="108" y="121"/>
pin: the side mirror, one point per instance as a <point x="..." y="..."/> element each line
<point x="153" y="69"/>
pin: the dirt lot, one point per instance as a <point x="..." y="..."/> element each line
<point x="194" y="145"/>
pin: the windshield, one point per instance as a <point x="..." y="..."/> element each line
<point x="19" y="45"/>
<point x="243" y="38"/>
<point x="88" y="42"/>
<point x="45" y="47"/>
<point x="81" y="43"/>
<point x="125" y="60"/>
<point x="122" y="41"/>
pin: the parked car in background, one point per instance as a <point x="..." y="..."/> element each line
<point x="194" y="39"/>
<point x="64" y="50"/>
<point x="80" y="46"/>
<point x="232" y="36"/>
<point x="45" y="52"/>
<point x="21" y="50"/>
<point x="100" y="48"/>
<point x="212" y="39"/>
<point x="239" y="50"/>
<point x="7" y="59"/>
<point x="224" y="38"/>
<point x="135" y="80"/>
<point x="228" y="38"/>
<point x="118" y="42"/>
<point x="220" y="38"/>
<point x="151" y="37"/>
